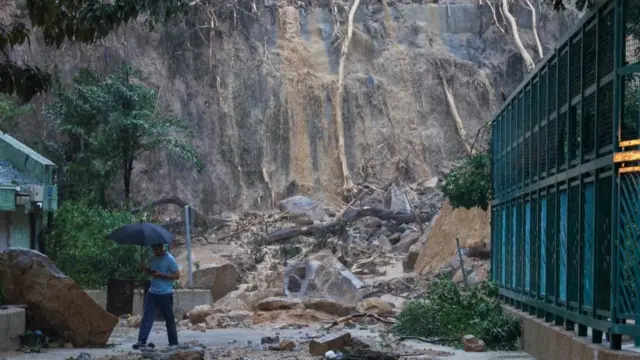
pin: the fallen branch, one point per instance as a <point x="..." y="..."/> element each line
<point x="516" y="36"/>
<point x="454" y="113"/>
<point x="534" y="28"/>
<point x="339" y="224"/>
<point x="348" y="186"/>
<point x="201" y="219"/>
<point x="427" y="340"/>
<point x="358" y="316"/>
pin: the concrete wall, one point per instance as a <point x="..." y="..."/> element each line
<point x="185" y="299"/>
<point x="547" y="342"/>
<point x="12" y="325"/>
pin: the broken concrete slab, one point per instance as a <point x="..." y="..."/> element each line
<point x="12" y="325"/>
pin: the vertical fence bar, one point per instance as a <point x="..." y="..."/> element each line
<point x="616" y="339"/>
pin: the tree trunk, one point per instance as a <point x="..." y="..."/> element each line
<point x="534" y="28"/>
<point x="516" y="36"/>
<point x="126" y="175"/>
<point x="348" y="186"/>
<point x="454" y="113"/>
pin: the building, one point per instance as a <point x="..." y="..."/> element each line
<point x="28" y="194"/>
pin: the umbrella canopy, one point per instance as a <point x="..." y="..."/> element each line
<point x="143" y="234"/>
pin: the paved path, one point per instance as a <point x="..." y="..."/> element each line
<point x="124" y="338"/>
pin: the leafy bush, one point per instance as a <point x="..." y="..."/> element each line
<point x="469" y="185"/>
<point x="79" y="247"/>
<point x="447" y="313"/>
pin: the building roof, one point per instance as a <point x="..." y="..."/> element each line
<point x="10" y="176"/>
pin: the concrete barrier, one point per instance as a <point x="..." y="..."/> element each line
<point x="184" y="299"/>
<point x="12" y="325"/>
<point x="543" y="340"/>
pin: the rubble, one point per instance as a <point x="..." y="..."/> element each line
<point x="473" y="344"/>
<point x="318" y="348"/>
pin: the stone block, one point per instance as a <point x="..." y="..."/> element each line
<point x="12" y="325"/>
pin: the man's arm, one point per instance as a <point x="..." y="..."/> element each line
<point x="174" y="272"/>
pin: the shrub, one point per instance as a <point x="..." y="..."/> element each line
<point x="469" y="184"/>
<point x="79" y="247"/>
<point x="447" y="313"/>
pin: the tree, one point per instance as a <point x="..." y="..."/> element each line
<point x="561" y="5"/>
<point x="108" y="124"/>
<point x="83" y="21"/>
<point x="9" y="111"/>
<point x="469" y="185"/>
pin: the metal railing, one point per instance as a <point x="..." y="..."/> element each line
<point x="566" y="181"/>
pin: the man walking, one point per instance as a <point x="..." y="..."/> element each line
<point x="163" y="270"/>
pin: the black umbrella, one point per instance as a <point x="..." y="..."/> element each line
<point x="142" y="234"/>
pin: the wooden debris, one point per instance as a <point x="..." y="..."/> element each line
<point x="357" y="316"/>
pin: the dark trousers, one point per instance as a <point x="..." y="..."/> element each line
<point x="163" y="304"/>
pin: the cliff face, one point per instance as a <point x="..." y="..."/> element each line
<point x="258" y="94"/>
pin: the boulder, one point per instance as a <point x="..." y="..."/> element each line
<point x="375" y="306"/>
<point x="396" y="199"/>
<point x="199" y="314"/>
<point x="303" y="206"/>
<point x="287" y="345"/>
<point x="382" y="242"/>
<point x="473" y="344"/>
<point x="409" y="261"/>
<point x="55" y="303"/>
<point x="322" y="276"/>
<point x="278" y="303"/>
<point x="220" y="277"/>
<point x="406" y="242"/>
<point x="134" y="321"/>
<point x="327" y="306"/>
<point x="319" y="348"/>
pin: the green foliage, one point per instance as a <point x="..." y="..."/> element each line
<point x="108" y="123"/>
<point x="10" y="110"/>
<point x="561" y="5"/>
<point x="469" y="185"/>
<point x="78" y="245"/>
<point x="83" y="21"/>
<point x="447" y="313"/>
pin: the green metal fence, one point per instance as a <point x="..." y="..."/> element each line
<point x="566" y="181"/>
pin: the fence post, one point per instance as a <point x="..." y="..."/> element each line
<point x="187" y="225"/>
<point x="464" y="273"/>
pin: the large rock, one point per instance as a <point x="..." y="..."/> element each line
<point x="409" y="261"/>
<point x="245" y="298"/>
<point x="396" y="199"/>
<point x="303" y="206"/>
<point x="375" y="306"/>
<point x="199" y="314"/>
<point x="322" y="276"/>
<point x="278" y="303"/>
<point x="327" y="306"/>
<point x="220" y="277"/>
<point x="471" y="226"/>
<point x="405" y="243"/>
<point x="55" y="303"/>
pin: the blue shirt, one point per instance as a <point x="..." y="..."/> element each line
<point x="166" y="265"/>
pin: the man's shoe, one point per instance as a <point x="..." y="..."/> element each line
<point x="139" y="345"/>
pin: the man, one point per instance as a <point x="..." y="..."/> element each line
<point x="163" y="270"/>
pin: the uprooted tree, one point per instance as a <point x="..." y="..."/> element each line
<point x="348" y="185"/>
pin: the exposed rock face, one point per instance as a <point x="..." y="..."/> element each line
<point x="258" y="93"/>
<point x="55" y="303"/>
<point x="221" y="277"/>
<point x="322" y="276"/>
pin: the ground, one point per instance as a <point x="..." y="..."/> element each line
<point x="244" y="343"/>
